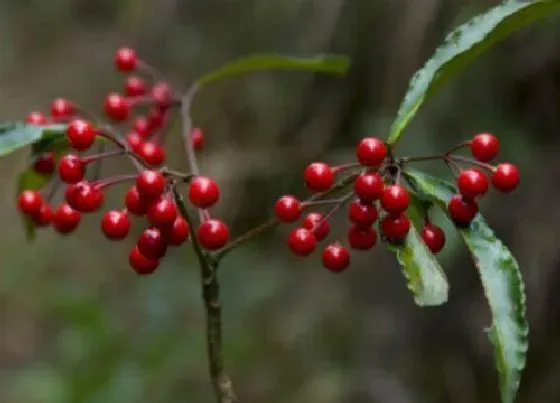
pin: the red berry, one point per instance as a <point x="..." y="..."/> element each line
<point x="43" y="217"/>
<point x="287" y="209"/>
<point x="395" y="199"/>
<point x="135" y="86"/>
<point x="141" y="126"/>
<point x="371" y="151"/>
<point x="150" y="184"/>
<point x="81" y="134"/>
<point x="84" y="197"/>
<point x="71" y="169"/>
<point x="461" y="210"/>
<point x="203" y="192"/>
<point x="135" y="203"/>
<point x="62" y="108"/>
<point x="151" y="152"/>
<point x="44" y="164"/>
<point x="302" y="242"/>
<point x="161" y="94"/>
<point x="178" y="233"/>
<point x="162" y="212"/>
<point x="115" y="224"/>
<point x="152" y="243"/>
<point x="368" y="186"/>
<point x="506" y="177"/>
<point x="212" y="234"/>
<point x="395" y="227"/>
<point x="362" y="238"/>
<point x="472" y="183"/>
<point x="30" y="202"/>
<point x="485" y="146"/>
<point x="134" y="141"/>
<point x="362" y="214"/>
<point x="156" y="117"/>
<point x="336" y="257"/>
<point x="65" y="219"/>
<point x="125" y="59"/>
<point x="36" y="118"/>
<point x="434" y="237"/>
<point x="318" y="177"/>
<point x="314" y="222"/>
<point x="140" y="263"/>
<point x="116" y="107"/>
<point x="197" y="138"/>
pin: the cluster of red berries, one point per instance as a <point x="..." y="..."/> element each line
<point x="150" y="196"/>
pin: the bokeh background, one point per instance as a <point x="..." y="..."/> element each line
<point x="77" y="326"/>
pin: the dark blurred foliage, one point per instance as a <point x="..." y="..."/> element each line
<point x="77" y="326"/>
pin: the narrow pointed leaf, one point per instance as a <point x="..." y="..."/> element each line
<point x="15" y="135"/>
<point x="461" y="47"/>
<point x="503" y="287"/>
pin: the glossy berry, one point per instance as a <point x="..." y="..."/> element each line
<point x="45" y="164"/>
<point x="314" y="222"/>
<point x="368" y="186"/>
<point x="36" y="118"/>
<point x="506" y="177"/>
<point x="395" y="227"/>
<point x="65" y="219"/>
<point x="178" y="233"/>
<point x="150" y="184"/>
<point x="81" y="134"/>
<point x="84" y="197"/>
<point x="362" y="238"/>
<point x="135" y="203"/>
<point x="197" y="138"/>
<point x="141" y="126"/>
<point x="43" y="217"/>
<point x="287" y="209"/>
<point x="484" y="147"/>
<point x="335" y="257"/>
<point x="472" y="183"/>
<point x="140" y="263"/>
<point x="116" y="107"/>
<point x="115" y="224"/>
<point x="212" y="234"/>
<point x="318" y="177"/>
<point x="434" y="237"/>
<point x="203" y="192"/>
<point x="362" y="214"/>
<point x="371" y="151"/>
<point x="162" y="212"/>
<point x="156" y="117"/>
<point x="152" y="243"/>
<point x="134" y="142"/>
<point x="71" y="169"/>
<point x="125" y="59"/>
<point x="161" y="94"/>
<point x="395" y="199"/>
<point x="134" y="86"/>
<point x="301" y="242"/>
<point x="62" y="108"/>
<point x="151" y="152"/>
<point x="461" y="210"/>
<point x="29" y="202"/>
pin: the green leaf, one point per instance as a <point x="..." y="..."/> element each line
<point x="30" y="180"/>
<point x="462" y="46"/>
<point x="503" y="287"/>
<point x="53" y="139"/>
<point x="15" y="135"/>
<point x="425" y="277"/>
<point x="332" y="64"/>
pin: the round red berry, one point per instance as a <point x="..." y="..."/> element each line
<point x="116" y="107"/>
<point x="141" y="126"/>
<point x="125" y="59"/>
<point x="140" y="263"/>
<point x="134" y="142"/>
<point x="506" y="177"/>
<point x="150" y="184"/>
<point x="368" y="186"/>
<point x="462" y="210"/>
<point x="472" y="183"/>
<point x="371" y="151"/>
<point x="362" y="214"/>
<point x="36" y="118"/>
<point x="156" y="117"/>
<point x="203" y="192"/>
<point x="62" y="108"/>
<point x="81" y="134"/>
<point x="115" y="224"/>
<point x="162" y="213"/>
<point x="178" y="233"/>
<point x="484" y="147"/>
<point x="336" y="257"/>
<point x="134" y="86"/>
<point x="434" y="237"/>
<point x="316" y="223"/>
<point x="43" y="217"/>
<point x="318" y="177"/>
<point x="84" y="197"/>
<point x="152" y="243"/>
<point x="65" y="219"/>
<point x="395" y="227"/>
<point x="45" y="164"/>
<point x="301" y="242"/>
<point x="161" y="94"/>
<point x="71" y="169"/>
<point x="151" y="152"/>
<point x="362" y="238"/>
<point x="30" y="202"/>
<point x="197" y="138"/>
<point x="287" y="209"/>
<point x="212" y="234"/>
<point x="135" y="203"/>
<point x="395" y="199"/>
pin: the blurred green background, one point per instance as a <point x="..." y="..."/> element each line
<point x="77" y="326"/>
